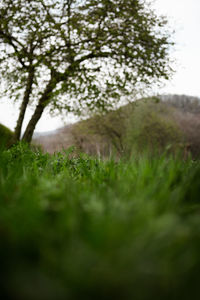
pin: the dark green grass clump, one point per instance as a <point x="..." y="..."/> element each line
<point x="80" y="228"/>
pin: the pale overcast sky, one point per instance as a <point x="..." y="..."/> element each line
<point x="184" y="17"/>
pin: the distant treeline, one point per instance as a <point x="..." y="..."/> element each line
<point x="184" y="102"/>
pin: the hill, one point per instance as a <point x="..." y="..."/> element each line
<point x="154" y="124"/>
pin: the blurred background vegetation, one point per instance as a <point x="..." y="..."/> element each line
<point x="154" y="125"/>
<point x="5" y="136"/>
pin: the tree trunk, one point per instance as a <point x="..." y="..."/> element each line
<point x="24" y="105"/>
<point x="43" y="102"/>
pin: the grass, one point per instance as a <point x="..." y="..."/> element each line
<point x="81" y="228"/>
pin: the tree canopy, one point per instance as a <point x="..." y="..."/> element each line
<point x="78" y="54"/>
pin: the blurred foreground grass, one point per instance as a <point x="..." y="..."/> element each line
<point x="80" y="228"/>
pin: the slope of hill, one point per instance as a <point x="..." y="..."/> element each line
<point x="154" y="124"/>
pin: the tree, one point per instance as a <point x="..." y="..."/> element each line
<point x="78" y="54"/>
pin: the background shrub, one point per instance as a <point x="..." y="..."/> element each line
<point x="152" y="128"/>
<point x="5" y="136"/>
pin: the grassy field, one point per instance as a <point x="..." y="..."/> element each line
<point x="74" y="227"/>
